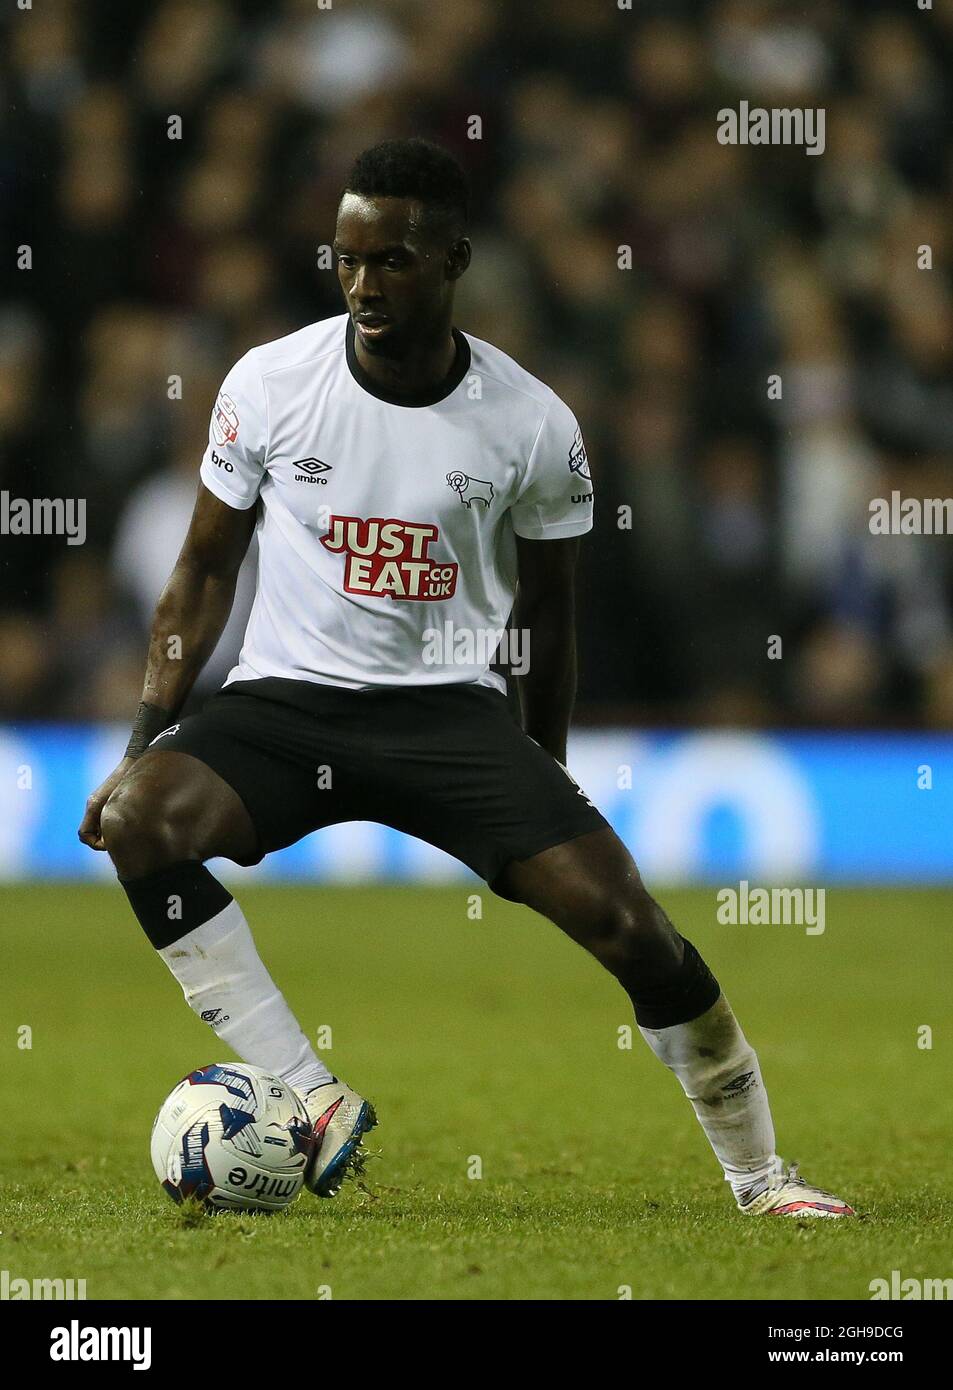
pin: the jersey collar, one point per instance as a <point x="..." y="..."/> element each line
<point x="438" y="393"/>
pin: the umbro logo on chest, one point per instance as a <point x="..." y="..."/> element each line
<point x="311" y="470"/>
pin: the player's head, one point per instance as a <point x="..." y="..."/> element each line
<point x="401" y="241"/>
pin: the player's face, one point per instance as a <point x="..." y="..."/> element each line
<point x="397" y="277"/>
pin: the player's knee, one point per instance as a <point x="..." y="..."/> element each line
<point x="141" y="835"/>
<point x="630" y="932"/>
<point x="614" y="931"/>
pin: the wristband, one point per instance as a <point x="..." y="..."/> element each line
<point x="150" y="720"/>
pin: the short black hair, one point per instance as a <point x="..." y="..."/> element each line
<point x="414" y="169"/>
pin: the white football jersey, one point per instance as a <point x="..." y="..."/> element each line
<point x="383" y="522"/>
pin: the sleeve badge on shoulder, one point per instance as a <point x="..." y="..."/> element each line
<point x="578" y="459"/>
<point x="224" y="420"/>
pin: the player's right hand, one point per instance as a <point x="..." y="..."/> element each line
<point x="90" y="831"/>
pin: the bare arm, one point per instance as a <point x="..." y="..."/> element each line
<point x="193" y="607"/>
<point x="190" y="617"/>
<point x="545" y="607"/>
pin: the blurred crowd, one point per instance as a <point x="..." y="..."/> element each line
<point x="726" y="517"/>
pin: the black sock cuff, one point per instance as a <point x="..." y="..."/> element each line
<point x="690" y="995"/>
<point x="174" y="901"/>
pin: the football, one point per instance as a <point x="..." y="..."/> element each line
<point x="232" y="1137"/>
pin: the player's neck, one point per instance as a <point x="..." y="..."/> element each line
<point x="424" y="367"/>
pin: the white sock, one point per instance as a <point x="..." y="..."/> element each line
<point x="226" y="984"/>
<point x="708" y="1055"/>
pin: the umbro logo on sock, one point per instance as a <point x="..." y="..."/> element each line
<point x="739" y="1085"/>
<point x="214" y="1017"/>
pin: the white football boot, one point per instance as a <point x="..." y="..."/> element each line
<point x="786" y="1194"/>
<point x="339" y="1118"/>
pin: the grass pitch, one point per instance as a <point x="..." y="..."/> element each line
<point x="487" y="1046"/>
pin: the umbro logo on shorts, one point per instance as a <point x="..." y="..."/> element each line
<point x="579" y="790"/>
<point x="172" y="729"/>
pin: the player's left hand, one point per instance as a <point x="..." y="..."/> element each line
<point x="90" y="829"/>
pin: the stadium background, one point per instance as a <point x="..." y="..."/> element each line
<point x="487" y="1032"/>
<point x="155" y="258"/>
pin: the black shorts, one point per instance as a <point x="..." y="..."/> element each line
<point x="446" y="763"/>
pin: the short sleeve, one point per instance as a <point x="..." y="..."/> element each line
<point x="556" y="497"/>
<point x="234" y="462"/>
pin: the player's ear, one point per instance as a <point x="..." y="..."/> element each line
<point x="458" y="258"/>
